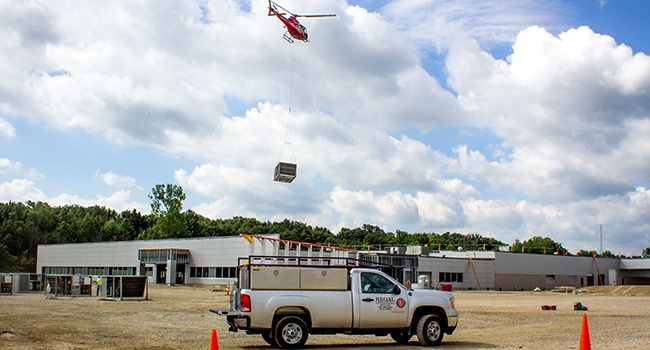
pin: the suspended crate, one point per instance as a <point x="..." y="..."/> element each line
<point x="285" y="172"/>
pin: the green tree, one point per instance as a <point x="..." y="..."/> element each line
<point x="583" y="252"/>
<point x="646" y="253"/>
<point x="166" y="206"/>
<point x="8" y="262"/>
<point x="607" y="254"/>
<point x="538" y="245"/>
<point x="350" y="237"/>
<point x="166" y="199"/>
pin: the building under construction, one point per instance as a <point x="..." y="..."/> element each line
<point x="214" y="261"/>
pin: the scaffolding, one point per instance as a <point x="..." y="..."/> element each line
<point x="6" y="284"/>
<point x="27" y="282"/>
<point x="68" y="285"/>
<point x="124" y="287"/>
<point x="299" y="249"/>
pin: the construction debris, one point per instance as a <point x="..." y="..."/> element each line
<point x="578" y="306"/>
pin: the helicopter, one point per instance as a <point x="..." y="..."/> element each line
<point x="295" y="30"/>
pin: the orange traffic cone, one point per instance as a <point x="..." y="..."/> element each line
<point x="214" y="343"/>
<point x="585" y="343"/>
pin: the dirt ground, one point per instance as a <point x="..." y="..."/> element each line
<point x="178" y="317"/>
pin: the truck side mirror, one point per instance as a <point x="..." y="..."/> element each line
<point x="396" y="290"/>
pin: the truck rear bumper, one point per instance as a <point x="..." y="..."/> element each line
<point x="237" y="322"/>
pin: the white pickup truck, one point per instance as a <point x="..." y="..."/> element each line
<point x="285" y="303"/>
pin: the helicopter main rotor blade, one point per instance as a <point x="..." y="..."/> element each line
<point x="327" y="15"/>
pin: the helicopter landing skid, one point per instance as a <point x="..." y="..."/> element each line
<point x="287" y="37"/>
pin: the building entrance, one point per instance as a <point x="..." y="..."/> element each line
<point x="161" y="273"/>
<point x="180" y="274"/>
<point x="170" y="263"/>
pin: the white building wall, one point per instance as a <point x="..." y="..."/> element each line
<point x="435" y="265"/>
<point x="635" y="264"/>
<point x="524" y="271"/>
<point x="520" y="271"/>
<point x="204" y="252"/>
<point x="88" y="254"/>
<point x="534" y="264"/>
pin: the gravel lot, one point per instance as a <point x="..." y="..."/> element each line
<point x="178" y="318"/>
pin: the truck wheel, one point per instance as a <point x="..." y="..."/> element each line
<point x="401" y="337"/>
<point x="429" y="330"/>
<point x="268" y="337"/>
<point x="291" y="332"/>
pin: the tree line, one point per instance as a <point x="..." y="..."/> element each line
<point x="23" y="226"/>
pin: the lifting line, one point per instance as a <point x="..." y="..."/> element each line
<point x="287" y="135"/>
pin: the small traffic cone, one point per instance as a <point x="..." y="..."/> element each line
<point x="585" y="343"/>
<point x="214" y="343"/>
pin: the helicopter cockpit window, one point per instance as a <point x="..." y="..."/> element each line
<point x="374" y="283"/>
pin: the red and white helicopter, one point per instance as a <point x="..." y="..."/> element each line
<point x="295" y="30"/>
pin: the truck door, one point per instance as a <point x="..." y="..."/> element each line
<point x="378" y="304"/>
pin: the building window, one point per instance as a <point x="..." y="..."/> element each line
<point x="451" y="277"/>
<point x="212" y="272"/>
<point x="550" y="279"/>
<point x="200" y="272"/>
<point x="89" y="271"/>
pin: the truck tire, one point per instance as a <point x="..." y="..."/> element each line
<point x="430" y="331"/>
<point x="291" y="332"/>
<point x="401" y="337"/>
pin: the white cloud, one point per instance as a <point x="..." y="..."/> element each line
<point x="217" y="89"/>
<point x="116" y="180"/>
<point x="440" y="23"/>
<point x="20" y="190"/>
<point x="6" y="129"/>
<point x="175" y="86"/>
<point x="118" y="201"/>
<point x="7" y="166"/>
<point x="560" y="111"/>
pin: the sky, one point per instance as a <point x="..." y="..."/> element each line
<point x="504" y="118"/>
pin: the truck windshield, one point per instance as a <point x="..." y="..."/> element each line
<point x="374" y="283"/>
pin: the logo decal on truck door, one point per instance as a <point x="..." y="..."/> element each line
<point x="385" y="303"/>
<point x="400" y="303"/>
